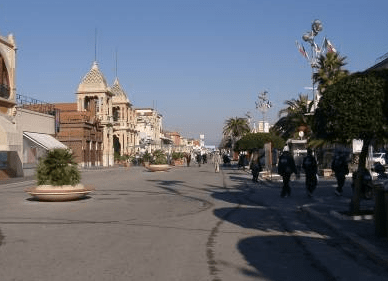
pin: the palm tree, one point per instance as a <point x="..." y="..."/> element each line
<point x="235" y="128"/>
<point x="330" y="70"/>
<point x="294" y="118"/>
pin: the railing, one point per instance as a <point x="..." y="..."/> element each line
<point x="35" y="105"/>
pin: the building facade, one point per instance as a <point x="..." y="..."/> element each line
<point x="95" y="97"/>
<point x="124" y="121"/>
<point x="82" y="132"/>
<point x="149" y="129"/>
<point x="10" y="141"/>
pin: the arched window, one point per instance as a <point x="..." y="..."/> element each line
<point x="4" y="80"/>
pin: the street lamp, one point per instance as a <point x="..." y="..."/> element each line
<point x="316" y="51"/>
<point x="263" y="104"/>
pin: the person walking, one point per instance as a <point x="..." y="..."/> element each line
<point x="199" y="158"/>
<point x="340" y="167"/>
<point x="256" y="169"/>
<point x="217" y="161"/>
<point x="188" y="158"/>
<point x="310" y="167"/>
<point x="286" y="167"/>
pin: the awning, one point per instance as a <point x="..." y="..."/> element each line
<point x="46" y="141"/>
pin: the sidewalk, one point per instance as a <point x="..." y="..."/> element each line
<point x="329" y="209"/>
<point x="82" y="170"/>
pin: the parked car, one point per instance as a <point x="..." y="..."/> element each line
<point x="379" y="157"/>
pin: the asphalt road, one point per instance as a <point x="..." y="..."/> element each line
<point x="186" y="224"/>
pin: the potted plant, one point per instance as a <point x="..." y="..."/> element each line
<point x="58" y="177"/>
<point x="158" y="162"/>
<point x="146" y="158"/>
<point x="178" y="158"/>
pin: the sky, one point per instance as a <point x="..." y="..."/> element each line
<point x="196" y="62"/>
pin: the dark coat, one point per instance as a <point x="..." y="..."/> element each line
<point x="310" y="165"/>
<point x="340" y="165"/>
<point x="286" y="164"/>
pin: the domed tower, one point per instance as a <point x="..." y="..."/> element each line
<point x="95" y="97"/>
<point x="123" y="120"/>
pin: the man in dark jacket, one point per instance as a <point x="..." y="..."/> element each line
<point x="341" y="169"/>
<point x="310" y="167"/>
<point x="286" y="167"/>
<point x="256" y="169"/>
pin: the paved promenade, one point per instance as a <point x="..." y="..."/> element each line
<point x="328" y="208"/>
<point x="187" y="224"/>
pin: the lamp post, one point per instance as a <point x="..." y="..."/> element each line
<point x="309" y="37"/>
<point x="263" y="104"/>
<point x="249" y="119"/>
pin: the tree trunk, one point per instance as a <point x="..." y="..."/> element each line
<point x="355" y="202"/>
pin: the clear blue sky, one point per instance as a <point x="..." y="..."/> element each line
<point x="198" y="62"/>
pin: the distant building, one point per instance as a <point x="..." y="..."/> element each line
<point x="149" y="129"/>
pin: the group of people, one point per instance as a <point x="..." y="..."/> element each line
<point x="286" y="167"/>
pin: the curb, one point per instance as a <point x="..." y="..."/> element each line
<point x="368" y="248"/>
<point x="354" y="218"/>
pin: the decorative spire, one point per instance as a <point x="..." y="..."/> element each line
<point x="94" y="80"/>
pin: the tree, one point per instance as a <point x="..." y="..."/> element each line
<point x="252" y="141"/>
<point x="330" y="70"/>
<point x="236" y="128"/>
<point x="355" y="108"/>
<point x="58" y="168"/>
<point x="294" y="117"/>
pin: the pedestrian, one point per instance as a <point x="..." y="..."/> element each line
<point x="340" y="167"/>
<point x="199" y="158"/>
<point x="286" y="167"/>
<point x="188" y="158"/>
<point x="217" y="161"/>
<point x="240" y="162"/>
<point x="256" y="169"/>
<point x="310" y="167"/>
<point x="204" y="159"/>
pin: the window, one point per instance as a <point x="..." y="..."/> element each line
<point x="4" y="82"/>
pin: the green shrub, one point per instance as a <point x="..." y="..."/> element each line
<point x="159" y="157"/>
<point x="146" y="157"/>
<point x="117" y="156"/>
<point x="177" y="155"/>
<point x="58" y="168"/>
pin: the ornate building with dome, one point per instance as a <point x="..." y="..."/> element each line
<point x="124" y="121"/>
<point x="101" y="123"/>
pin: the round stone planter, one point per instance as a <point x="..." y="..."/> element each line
<point x="58" y="193"/>
<point x="158" y="168"/>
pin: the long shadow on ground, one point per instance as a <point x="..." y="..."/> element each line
<point x="275" y="254"/>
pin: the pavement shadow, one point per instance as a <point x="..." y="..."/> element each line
<point x="168" y="185"/>
<point x="275" y="254"/>
<point x="83" y="198"/>
<point x="261" y="218"/>
<point x="276" y="257"/>
<point x="233" y="197"/>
